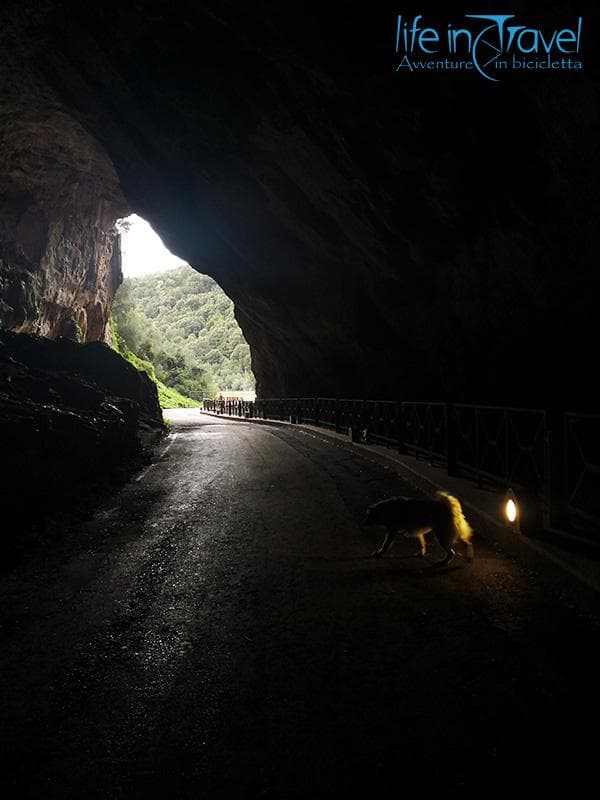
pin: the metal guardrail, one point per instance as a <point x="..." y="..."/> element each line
<point x="425" y="428"/>
<point x="233" y="408"/>
<point x="495" y="446"/>
<point x="383" y="419"/>
<point x="504" y="444"/>
<point x="582" y="465"/>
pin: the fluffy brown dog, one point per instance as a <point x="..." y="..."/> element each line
<point x="442" y="516"/>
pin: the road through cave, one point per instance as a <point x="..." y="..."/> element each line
<point x="217" y="629"/>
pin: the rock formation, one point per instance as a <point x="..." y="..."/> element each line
<point x="381" y="235"/>
<point x="59" y="200"/>
<point x="70" y="414"/>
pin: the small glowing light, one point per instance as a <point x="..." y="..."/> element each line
<point x="511" y="510"/>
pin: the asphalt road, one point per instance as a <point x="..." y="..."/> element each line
<point x="217" y="629"/>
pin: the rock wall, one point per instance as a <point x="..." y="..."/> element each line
<point x="59" y="199"/>
<point x="71" y="416"/>
<point x="381" y="235"/>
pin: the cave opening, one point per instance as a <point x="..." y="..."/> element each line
<point x="176" y="323"/>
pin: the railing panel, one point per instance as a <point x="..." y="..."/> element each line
<point x="327" y="412"/>
<point x="502" y="445"/>
<point x="582" y="465"/>
<point x="425" y="430"/>
<point x="351" y="414"/>
<point x="382" y="422"/>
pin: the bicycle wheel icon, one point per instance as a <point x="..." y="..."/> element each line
<point x="488" y="44"/>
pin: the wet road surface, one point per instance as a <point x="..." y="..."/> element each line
<point x="218" y="630"/>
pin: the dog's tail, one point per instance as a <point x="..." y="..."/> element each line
<point x="462" y="529"/>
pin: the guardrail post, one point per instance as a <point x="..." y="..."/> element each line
<point x="556" y="455"/>
<point x="507" y="448"/>
<point x="363" y="422"/>
<point x="401" y="427"/>
<point x="429" y="431"/>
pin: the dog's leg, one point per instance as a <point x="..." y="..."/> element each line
<point x="445" y="561"/>
<point x="389" y="538"/>
<point x="446" y="538"/>
<point x="419" y="534"/>
<point x="469" y="555"/>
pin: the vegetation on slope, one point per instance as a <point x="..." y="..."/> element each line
<point x="167" y="397"/>
<point x="188" y="317"/>
<point x="179" y="327"/>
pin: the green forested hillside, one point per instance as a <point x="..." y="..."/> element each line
<point x="183" y="323"/>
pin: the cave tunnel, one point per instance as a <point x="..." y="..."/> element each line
<point x="379" y="249"/>
<point x="194" y="611"/>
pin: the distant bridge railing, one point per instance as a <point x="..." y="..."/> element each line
<point x="495" y="446"/>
